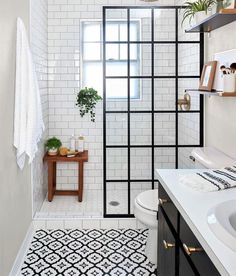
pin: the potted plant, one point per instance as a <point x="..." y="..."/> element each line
<point x="197" y="10"/>
<point x="53" y="144"/>
<point x="86" y="100"/>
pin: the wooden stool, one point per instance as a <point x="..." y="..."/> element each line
<point x="52" y="174"/>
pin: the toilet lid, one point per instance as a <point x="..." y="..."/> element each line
<point x="148" y="200"/>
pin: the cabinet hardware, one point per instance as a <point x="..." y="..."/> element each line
<point x="190" y="250"/>
<point x="168" y="245"/>
<point x="162" y="201"/>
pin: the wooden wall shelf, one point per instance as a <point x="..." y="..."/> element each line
<point x="214" y="21"/>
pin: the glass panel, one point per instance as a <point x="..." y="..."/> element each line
<point x="142" y="88"/>
<point x="92" y="51"/>
<point x="183" y="158"/>
<point x="123" y="51"/>
<point x="123" y="31"/>
<point x="164" y="24"/>
<point x="189" y="60"/>
<point x="116" y="165"/>
<point x="194" y="95"/>
<point x="164" y="129"/>
<point x="189" y="129"/>
<point x="112" y="31"/>
<point x="116" y="68"/>
<point x="93" y="76"/>
<point x="116" y="129"/>
<point x="112" y="52"/>
<point x="116" y="25"/>
<point x="183" y="36"/>
<point x="141" y="163"/>
<point x="140" y="25"/>
<point x="135" y="189"/>
<point x="115" y="88"/>
<point x="117" y="198"/>
<point x="164" y="91"/>
<point x="164" y="60"/>
<point x="143" y="64"/>
<point x="140" y="129"/>
<point x="91" y="31"/>
<point x="164" y="158"/>
<point x="134" y="52"/>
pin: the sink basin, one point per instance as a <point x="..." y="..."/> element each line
<point x="222" y="222"/>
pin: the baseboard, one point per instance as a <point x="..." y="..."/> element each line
<point x="22" y="252"/>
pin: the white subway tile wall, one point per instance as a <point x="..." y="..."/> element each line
<point x="64" y="81"/>
<point x="38" y="40"/>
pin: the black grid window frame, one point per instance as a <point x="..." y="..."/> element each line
<point x="152" y="111"/>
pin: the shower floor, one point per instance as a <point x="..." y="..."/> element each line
<point x="91" y="207"/>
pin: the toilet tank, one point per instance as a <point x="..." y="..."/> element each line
<point x="210" y="158"/>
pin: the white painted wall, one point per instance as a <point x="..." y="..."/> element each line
<point x="220" y="113"/>
<point x="15" y="190"/>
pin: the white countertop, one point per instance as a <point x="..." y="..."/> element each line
<point x="194" y="207"/>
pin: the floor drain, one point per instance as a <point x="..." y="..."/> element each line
<point x="114" y="203"/>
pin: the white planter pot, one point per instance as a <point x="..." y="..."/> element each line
<point x="212" y="10"/>
<point x="52" y="151"/>
<point x="200" y="16"/>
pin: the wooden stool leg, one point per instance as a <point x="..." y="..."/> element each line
<point x="54" y="176"/>
<point x="81" y="180"/>
<point x="50" y="181"/>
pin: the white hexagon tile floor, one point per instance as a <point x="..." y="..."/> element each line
<point x="88" y="253"/>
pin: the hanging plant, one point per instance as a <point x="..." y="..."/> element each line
<point x="86" y="100"/>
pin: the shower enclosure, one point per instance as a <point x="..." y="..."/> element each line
<point x="148" y="63"/>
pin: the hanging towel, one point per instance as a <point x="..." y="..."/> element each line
<point x="28" y="118"/>
<point x="211" y="180"/>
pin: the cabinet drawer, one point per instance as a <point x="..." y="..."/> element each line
<point x="199" y="259"/>
<point x="168" y="206"/>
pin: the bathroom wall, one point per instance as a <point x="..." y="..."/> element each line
<point x="38" y="40"/>
<point x="220" y="113"/>
<point x="64" y="17"/>
<point x="15" y="188"/>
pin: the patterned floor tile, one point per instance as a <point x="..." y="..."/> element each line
<point x="88" y="253"/>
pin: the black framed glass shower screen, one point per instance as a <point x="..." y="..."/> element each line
<point x="148" y="63"/>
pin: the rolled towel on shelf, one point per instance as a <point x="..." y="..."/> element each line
<point x="211" y="180"/>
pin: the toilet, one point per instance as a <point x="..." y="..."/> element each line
<point x="210" y="158"/>
<point x="145" y="210"/>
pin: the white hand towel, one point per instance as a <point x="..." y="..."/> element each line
<point x="28" y="121"/>
<point x="211" y="180"/>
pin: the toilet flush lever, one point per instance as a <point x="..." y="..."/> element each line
<point x="162" y="201"/>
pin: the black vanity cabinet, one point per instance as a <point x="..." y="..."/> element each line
<point x="167" y="248"/>
<point x="179" y="251"/>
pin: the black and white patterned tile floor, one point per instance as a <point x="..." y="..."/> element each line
<point x="88" y="253"/>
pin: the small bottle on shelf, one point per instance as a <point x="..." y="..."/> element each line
<point x="81" y="143"/>
<point x="72" y="143"/>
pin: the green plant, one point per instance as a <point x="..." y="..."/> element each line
<point x="86" y="100"/>
<point x="53" y="143"/>
<point x="191" y="8"/>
